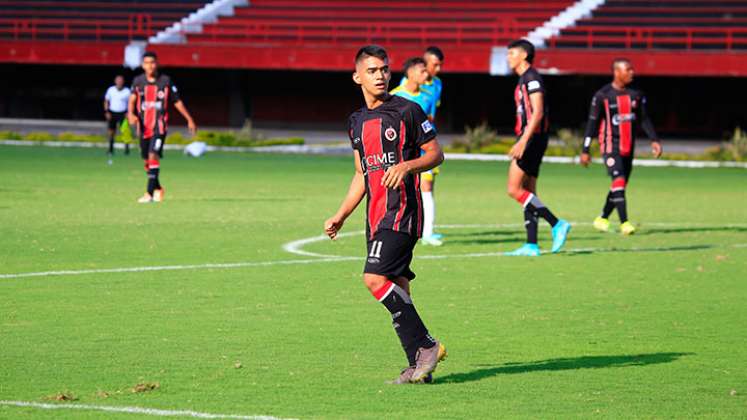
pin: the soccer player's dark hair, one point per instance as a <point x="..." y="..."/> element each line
<point x="371" y="51"/>
<point x="412" y="62"/>
<point x="150" y="54"/>
<point x="619" y="60"/>
<point x="435" y="51"/>
<point x="524" y="45"/>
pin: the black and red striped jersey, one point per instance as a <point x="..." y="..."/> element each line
<point x="614" y="117"/>
<point x="153" y="100"/>
<point x="530" y="82"/>
<point x="385" y="136"/>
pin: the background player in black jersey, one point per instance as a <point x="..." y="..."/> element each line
<point x="387" y="135"/>
<point x="532" y="126"/>
<point x="620" y="109"/>
<point x="149" y="110"/>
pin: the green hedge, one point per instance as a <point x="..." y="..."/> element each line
<point x="212" y="138"/>
<point x="482" y="139"/>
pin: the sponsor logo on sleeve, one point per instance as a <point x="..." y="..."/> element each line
<point x="426" y="126"/>
<point x="533" y="85"/>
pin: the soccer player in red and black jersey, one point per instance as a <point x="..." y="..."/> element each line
<point x="616" y="110"/>
<point x="387" y="135"/>
<point x="532" y="127"/>
<point x="152" y="93"/>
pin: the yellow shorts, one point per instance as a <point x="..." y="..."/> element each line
<point x="431" y="175"/>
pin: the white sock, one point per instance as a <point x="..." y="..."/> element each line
<point x="429" y="214"/>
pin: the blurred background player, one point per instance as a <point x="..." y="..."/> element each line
<point x="434" y="58"/>
<point x="387" y="135"/>
<point x="152" y="93"/>
<point x="532" y="126"/>
<point x="620" y="108"/>
<point x="415" y="77"/>
<point x="115" y="111"/>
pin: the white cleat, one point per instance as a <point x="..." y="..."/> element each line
<point x="430" y="240"/>
<point x="147" y="198"/>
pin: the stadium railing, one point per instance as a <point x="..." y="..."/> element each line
<point x="457" y="33"/>
<point x="136" y="26"/>
<point x="674" y="37"/>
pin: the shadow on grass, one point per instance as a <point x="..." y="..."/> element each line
<point x="517" y="238"/>
<point x="569" y="363"/>
<point x="692" y="229"/>
<point x="638" y="250"/>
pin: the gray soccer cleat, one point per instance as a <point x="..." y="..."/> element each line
<point x="427" y="361"/>
<point x="406" y="374"/>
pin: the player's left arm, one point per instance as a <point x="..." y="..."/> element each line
<point x="648" y="128"/>
<point x="179" y="105"/>
<point x="537" y="99"/>
<point x="432" y="157"/>
<point x="419" y="130"/>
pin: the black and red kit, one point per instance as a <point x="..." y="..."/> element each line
<point x="153" y="100"/>
<point x="614" y="117"/>
<point x="531" y="83"/>
<point x="383" y="137"/>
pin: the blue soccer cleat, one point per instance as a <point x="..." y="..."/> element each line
<point x="559" y="235"/>
<point x="526" y="250"/>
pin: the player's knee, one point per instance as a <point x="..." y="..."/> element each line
<point x="514" y="191"/>
<point x="374" y="282"/>
<point x="618" y="184"/>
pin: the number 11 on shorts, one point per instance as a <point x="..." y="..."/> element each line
<point x="376" y="249"/>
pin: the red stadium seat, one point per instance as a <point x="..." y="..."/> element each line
<point x="661" y="24"/>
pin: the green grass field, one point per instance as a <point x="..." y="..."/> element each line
<point x="648" y="326"/>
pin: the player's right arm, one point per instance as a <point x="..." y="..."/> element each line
<point x="131" y="117"/>
<point x="355" y="194"/>
<point x="107" y="114"/>
<point x="591" y="125"/>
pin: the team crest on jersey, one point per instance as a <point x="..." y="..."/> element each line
<point x="390" y="133"/>
<point x="610" y="162"/>
<point x="634" y="103"/>
<point x="160" y="94"/>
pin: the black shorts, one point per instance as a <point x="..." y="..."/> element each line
<point x="116" y="120"/>
<point x="152" y="145"/>
<point x="390" y="254"/>
<point x="532" y="158"/>
<point x="619" y="166"/>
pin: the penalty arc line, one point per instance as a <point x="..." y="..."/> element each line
<point x="135" y="410"/>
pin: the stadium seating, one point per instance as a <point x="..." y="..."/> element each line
<point x="89" y="20"/>
<point x="661" y="24"/>
<point x="327" y="23"/>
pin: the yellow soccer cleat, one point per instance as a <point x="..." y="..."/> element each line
<point x="601" y="224"/>
<point x="158" y="195"/>
<point x="145" y="199"/>
<point x="627" y="228"/>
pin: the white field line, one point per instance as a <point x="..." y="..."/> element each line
<point x="295" y="247"/>
<point x="173" y="267"/>
<point x="320" y="149"/>
<point x="135" y="410"/>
